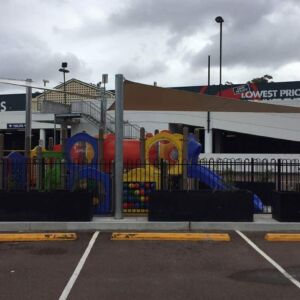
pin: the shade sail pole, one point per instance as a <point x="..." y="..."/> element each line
<point x="119" y="82"/>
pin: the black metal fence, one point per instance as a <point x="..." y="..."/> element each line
<point x="260" y="176"/>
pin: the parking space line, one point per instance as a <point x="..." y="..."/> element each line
<point x="269" y="259"/>
<point x="79" y="267"/>
<point x="169" y="236"/>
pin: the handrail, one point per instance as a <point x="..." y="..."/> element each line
<point x="93" y="113"/>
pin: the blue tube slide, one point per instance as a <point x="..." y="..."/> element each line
<point x="205" y="175"/>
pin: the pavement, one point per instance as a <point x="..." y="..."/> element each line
<point x="262" y="222"/>
<point x="136" y="270"/>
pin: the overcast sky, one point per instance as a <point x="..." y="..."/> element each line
<point x="167" y="41"/>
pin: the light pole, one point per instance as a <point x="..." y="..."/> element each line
<point x="45" y="82"/>
<point x="64" y="126"/>
<point x="64" y="70"/>
<point x="220" y="20"/>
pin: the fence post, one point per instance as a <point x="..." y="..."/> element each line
<point x="50" y="144"/>
<point x="113" y="186"/>
<point x="185" y="157"/>
<point x="100" y="165"/>
<point x="142" y="146"/>
<point x="100" y="149"/>
<point x="1" y="159"/>
<point x="252" y="169"/>
<point x="279" y="175"/>
<point x="39" y="171"/>
<point x="163" y="175"/>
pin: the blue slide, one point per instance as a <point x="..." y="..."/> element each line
<point x="205" y="175"/>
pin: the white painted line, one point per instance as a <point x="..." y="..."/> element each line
<point x="270" y="260"/>
<point x="80" y="265"/>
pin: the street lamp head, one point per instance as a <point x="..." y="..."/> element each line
<point x="105" y="78"/>
<point x="63" y="70"/>
<point x="219" y="19"/>
<point x="45" y="81"/>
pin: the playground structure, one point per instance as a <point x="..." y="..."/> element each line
<point x="88" y="164"/>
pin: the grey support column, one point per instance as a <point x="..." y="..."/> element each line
<point x="28" y="120"/>
<point x="208" y="141"/>
<point x="28" y="132"/>
<point x="42" y="138"/>
<point x="119" y="106"/>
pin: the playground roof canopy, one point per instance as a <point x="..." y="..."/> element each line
<point x="144" y="97"/>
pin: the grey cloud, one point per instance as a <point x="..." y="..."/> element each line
<point x="139" y="70"/>
<point x="248" y="36"/>
<point x="265" y="44"/>
<point x="180" y="19"/>
<point x="189" y="16"/>
<point x="29" y="57"/>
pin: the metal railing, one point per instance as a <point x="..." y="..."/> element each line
<point x="260" y="176"/>
<point x="92" y="113"/>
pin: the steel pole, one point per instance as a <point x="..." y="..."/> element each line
<point x="119" y="106"/>
<point x="28" y="120"/>
<point x="208" y="75"/>
<point x="208" y="88"/>
<point x="65" y="95"/>
<point x="104" y="107"/>
<point x="220" y="87"/>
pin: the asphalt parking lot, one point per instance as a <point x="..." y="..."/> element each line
<point x="149" y="269"/>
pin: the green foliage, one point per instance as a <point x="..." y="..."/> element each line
<point x="264" y="79"/>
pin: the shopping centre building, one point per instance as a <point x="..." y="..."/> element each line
<point x="221" y="131"/>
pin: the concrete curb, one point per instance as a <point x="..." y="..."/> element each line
<point x="92" y="226"/>
<point x="262" y="222"/>
<point x="144" y="225"/>
<point x="245" y="226"/>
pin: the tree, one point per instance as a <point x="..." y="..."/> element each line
<point x="263" y="79"/>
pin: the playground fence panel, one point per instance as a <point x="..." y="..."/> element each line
<point x="48" y="175"/>
<point x="140" y="179"/>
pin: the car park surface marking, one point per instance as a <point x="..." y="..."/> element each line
<point x="269" y="259"/>
<point x="80" y="265"/>
<point x="171" y="236"/>
<point x="282" y="237"/>
<point x="33" y="237"/>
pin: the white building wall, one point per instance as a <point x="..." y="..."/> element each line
<point x="280" y="126"/>
<point x="84" y="125"/>
<point x="160" y="120"/>
<point x="38" y="120"/>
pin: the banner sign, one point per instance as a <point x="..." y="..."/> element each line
<point x="256" y="91"/>
<point x="13" y="102"/>
<point x="252" y="91"/>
